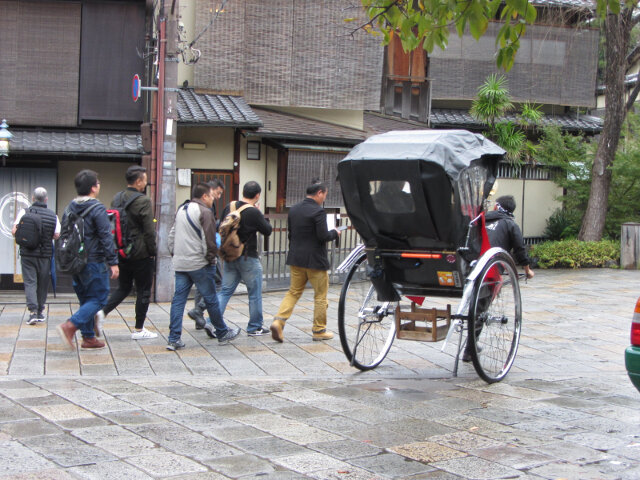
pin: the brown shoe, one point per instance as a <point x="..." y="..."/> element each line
<point x="91" y="343"/>
<point x="323" y="335"/>
<point x="276" y="330"/>
<point x="67" y="331"/>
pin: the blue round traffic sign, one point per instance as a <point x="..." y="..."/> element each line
<point x="135" y="88"/>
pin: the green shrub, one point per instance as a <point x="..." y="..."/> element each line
<point x="575" y="254"/>
<point x="562" y="225"/>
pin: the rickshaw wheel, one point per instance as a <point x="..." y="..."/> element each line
<point x="366" y="325"/>
<point x="495" y="315"/>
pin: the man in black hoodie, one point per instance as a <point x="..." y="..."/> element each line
<point x="92" y="283"/>
<point x="505" y="233"/>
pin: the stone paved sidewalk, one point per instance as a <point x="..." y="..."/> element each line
<point x="263" y="410"/>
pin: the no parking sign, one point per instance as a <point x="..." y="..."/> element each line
<point x="135" y="88"/>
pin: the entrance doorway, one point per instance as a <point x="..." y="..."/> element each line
<point x="226" y="177"/>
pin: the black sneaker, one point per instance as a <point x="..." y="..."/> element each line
<point x="259" y="332"/>
<point x="210" y="329"/>
<point x="177" y="345"/>
<point x="41" y="316"/>
<point x="197" y="316"/>
<point x="230" y="335"/>
<point x="33" y="319"/>
<point x="466" y="356"/>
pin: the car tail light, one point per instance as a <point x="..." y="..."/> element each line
<point x="635" y="326"/>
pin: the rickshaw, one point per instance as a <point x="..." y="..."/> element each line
<point x="416" y="198"/>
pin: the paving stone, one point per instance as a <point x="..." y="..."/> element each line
<point x="513" y="456"/>
<point x="48" y="474"/>
<point x="474" y="468"/>
<point x="14" y="412"/>
<point x="133" y="417"/>
<point x="269" y="447"/>
<point x="240" y="465"/>
<point x="352" y="473"/>
<point x="17" y="458"/>
<point x="165" y="464"/>
<point x="345" y="449"/>
<point x="29" y="428"/>
<point x="571" y="452"/>
<point x="391" y="465"/>
<point x="310" y="462"/>
<point x="426" y="452"/>
<point x="109" y="471"/>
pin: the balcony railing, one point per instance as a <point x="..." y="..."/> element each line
<point x="407" y="97"/>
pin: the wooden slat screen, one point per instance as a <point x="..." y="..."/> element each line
<point x="289" y="53"/>
<point x="555" y="65"/>
<point x="39" y="62"/>
<point x="304" y="166"/>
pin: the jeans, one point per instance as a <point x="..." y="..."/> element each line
<point x="204" y="280"/>
<point x="92" y="288"/>
<point x="249" y="270"/>
<point x="319" y="280"/>
<point x="35" y="274"/>
<point x="138" y="271"/>
<point x="198" y="302"/>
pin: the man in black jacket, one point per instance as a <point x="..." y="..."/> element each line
<point x="308" y="261"/>
<point x="504" y="232"/>
<point x="92" y="283"/>
<point x="138" y="266"/>
<point x="248" y="267"/>
<point x="36" y="262"/>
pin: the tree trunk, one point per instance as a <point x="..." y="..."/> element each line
<point x="617" y="32"/>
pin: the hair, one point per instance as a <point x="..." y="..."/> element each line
<point x="216" y="183"/>
<point x="134" y="172"/>
<point x="40" y="194"/>
<point x="251" y="189"/>
<point x="316" y="186"/>
<point x="506" y="202"/>
<point x="85" y="180"/>
<point x="200" y="189"/>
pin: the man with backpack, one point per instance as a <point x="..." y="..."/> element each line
<point x="240" y="222"/>
<point x="197" y="312"/>
<point x="86" y="216"/>
<point x="34" y="229"/>
<point x="192" y="244"/>
<point x="137" y="228"/>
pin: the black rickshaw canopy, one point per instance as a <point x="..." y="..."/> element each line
<point x="419" y="188"/>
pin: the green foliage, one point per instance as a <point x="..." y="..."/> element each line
<point x="493" y="100"/>
<point x="575" y="254"/>
<point x="428" y="22"/>
<point x="573" y="156"/>
<point x="562" y="224"/>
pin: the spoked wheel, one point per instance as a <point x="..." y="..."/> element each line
<point x="496" y="316"/>
<point x="367" y="327"/>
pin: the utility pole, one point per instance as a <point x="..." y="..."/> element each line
<point x="167" y="116"/>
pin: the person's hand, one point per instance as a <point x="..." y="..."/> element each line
<point x="339" y="231"/>
<point x="528" y="272"/>
<point x="115" y="272"/>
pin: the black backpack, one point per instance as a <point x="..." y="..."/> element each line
<point x="122" y="237"/>
<point x="71" y="256"/>
<point x="29" y="230"/>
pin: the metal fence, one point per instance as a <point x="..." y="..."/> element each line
<point x="274" y="248"/>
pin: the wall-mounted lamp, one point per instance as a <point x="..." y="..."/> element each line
<point x="194" y="146"/>
<point x="5" y="137"/>
<point x="253" y="150"/>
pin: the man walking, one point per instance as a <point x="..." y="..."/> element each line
<point x="197" y="312"/>
<point x="92" y="283"/>
<point x="192" y="243"/>
<point x="308" y="261"/>
<point x="36" y="262"/>
<point x="138" y="265"/>
<point x="247" y="267"/>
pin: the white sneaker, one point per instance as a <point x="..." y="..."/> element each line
<point x="98" y="323"/>
<point x="143" y="334"/>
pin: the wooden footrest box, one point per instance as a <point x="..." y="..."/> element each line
<point x="424" y="324"/>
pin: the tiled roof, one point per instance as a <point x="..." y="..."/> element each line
<point x="442" y="117"/>
<point x="76" y="143"/>
<point x="211" y="110"/>
<point x="629" y="81"/>
<point x="581" y="4"/>
<point x="449" y="118"/>
<point x="292" y="127"/>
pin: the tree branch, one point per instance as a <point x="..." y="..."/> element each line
<point x="375" y="17"/>
<point x="633" y="96"/>
<point x="633" y="57"/>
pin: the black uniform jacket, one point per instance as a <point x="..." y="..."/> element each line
<point x="308" y="236"/>
<point x="505" y="233"/>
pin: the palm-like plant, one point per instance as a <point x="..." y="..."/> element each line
<point x="493" y="100"/>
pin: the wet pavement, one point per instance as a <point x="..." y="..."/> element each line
<point x="265" y="410"/>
